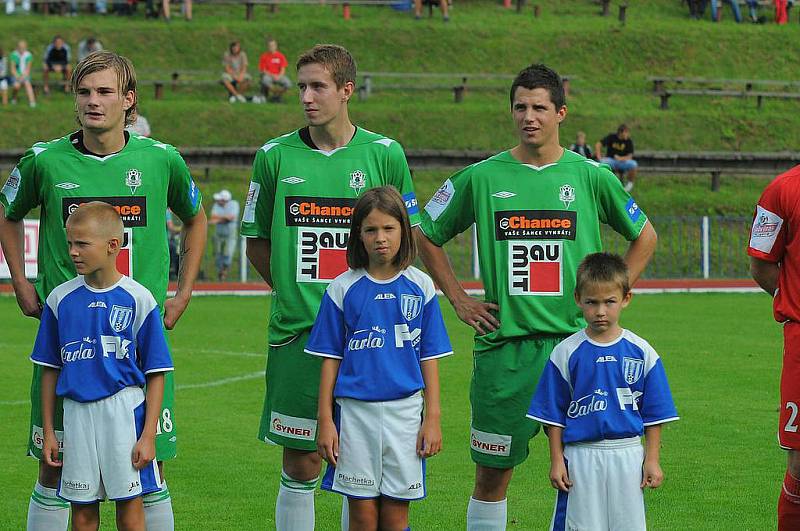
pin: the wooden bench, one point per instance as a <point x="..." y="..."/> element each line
<point x="665" y="95"/>
<point x="273" y="4"/>
<point x="459" y="85"/>
<point x="660" y="82"/>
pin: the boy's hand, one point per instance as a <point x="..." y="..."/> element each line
<point x="429" y="438"/>
<point x="559" y="477"/>
<point x="328" y="441"/>
<point x="50" y="450"/>
<point x="143" y="452"/>
<point x="652" y="475"/>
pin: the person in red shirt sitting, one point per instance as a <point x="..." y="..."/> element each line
<point x="272" y="66"/>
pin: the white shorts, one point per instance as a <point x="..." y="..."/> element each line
<point x="378" y="449"/>
<point x="98" y="446"/>
<point x="605" y="493"/>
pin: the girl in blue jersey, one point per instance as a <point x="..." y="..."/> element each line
<point x="380" y="330"/>
<point x="603" y="388"/>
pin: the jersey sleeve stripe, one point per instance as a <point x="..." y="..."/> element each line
<point x="661" y="421"/>
<point x="545" y="421"/>
<point x="323" y="354"/>
<point x="435" y="356"/>
<point x="160" y="369"/>
<point x="43" y="364"/>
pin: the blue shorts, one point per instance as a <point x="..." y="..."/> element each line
<point x="620" y="165"/>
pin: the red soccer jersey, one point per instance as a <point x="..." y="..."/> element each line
<point x="272" y="62"/>
<point x="774" y="238"/>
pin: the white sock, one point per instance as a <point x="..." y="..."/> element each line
<point x="294" y="508"/>
<point x="486" y="515"/>
<point x="345" y="514"/>
<point x="158" y="510"/>
<point x="46" y="511"/>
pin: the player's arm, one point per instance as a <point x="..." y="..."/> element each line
<point x="559" y="477"/>
<point x="429" y="439"/>
<point x="259" y="253"/>
<point x="327" y="436"/>
<point x="472" y="311"/>
<point x="145" y="449"/>
<point x="50" y="448"/>
<point x="195" y="230"/>
<point x="765" y="274"/>
<point x="12" y="238"/>
<point x="640" y="252"/>
<point x="652" y="475"/>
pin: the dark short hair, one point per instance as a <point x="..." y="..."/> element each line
<point x="388" y="200"/>
<point x="622" y="128"/>
<point x="602" y="268"/>
<point x="539" y="76"/>
<point x="334" y="58"/>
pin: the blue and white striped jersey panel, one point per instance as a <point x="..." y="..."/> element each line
<point x="102" y="339"/>
<point x="599" y="391"/>
<point x="381" y="330"/>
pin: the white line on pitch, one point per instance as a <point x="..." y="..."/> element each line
<point x="224" y="381"/>
<point x="14" y="402"/>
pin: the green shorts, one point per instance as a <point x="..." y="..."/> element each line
<point x="503" y="382"/>
<point x="166" y="441"/>
<point x="289" y="418"/>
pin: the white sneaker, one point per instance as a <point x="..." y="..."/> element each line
<point x="32" y="104"/>
<point x="628" y="186"/>
<point x="232" y="99"/>
<point x="241" y="98"/>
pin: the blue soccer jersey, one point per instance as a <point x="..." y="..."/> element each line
<point x="599" y="391"/>
<point x="381" y="330"/>
<point x="102" y="340"/>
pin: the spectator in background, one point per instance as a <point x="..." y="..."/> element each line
<point x="87" y="46"/>
<point x="619" y="155"/>
<point x="272" y="65"/>
<point x="697" y="8"/>
<point x="21" y="62"/>
<point x="224" y="215"/>
<point x="140" y="126"/>
<point x="56" y="59"/>
<point x="580" y="147"/>
<point x="235" y="78"/>
<point x="4" y="77"/>
<point x="781" y="12"/>
<point x="716" y="14"/>
<point x="186" y="9"/>
<point x="10" y="6"/>
<point x="443" y="5"/>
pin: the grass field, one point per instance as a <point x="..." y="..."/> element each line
<point x="723" y="468"/>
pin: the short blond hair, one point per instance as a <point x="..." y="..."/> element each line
<point x="335" y="59"/>
<point x="103" y="218"/>
<point x="103" y="60"/>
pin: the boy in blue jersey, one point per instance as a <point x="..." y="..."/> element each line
<point x="380" y="331"/>
<point x="100" y="341"/>
<point x="602" y="388"/>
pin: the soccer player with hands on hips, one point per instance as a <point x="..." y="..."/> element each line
<point x="100" y="340"/>
<point x="380" y="333"/>
<point x="141" y="178"/>
<point x="537" y="209"/>
<point x="303" y="189"/>
<point x="602" y="388"/>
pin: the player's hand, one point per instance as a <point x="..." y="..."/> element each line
<point x="328" y="441"/>
<point x="559" y="477"/>
<point x="652" y="475"/>
<point x="429" y="439"/>
<point x="173" y="309"/>
<point x="477" y="314"/>
<point x="50" y="450"/>
<point x="28" y="299"/>
<point x="143" y="452"/>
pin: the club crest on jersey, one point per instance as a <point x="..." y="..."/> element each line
<point x="133" y="179"/>
<point x="120" y="317"/>
<point x="632" y="368"/>
<point x="358" y="180"/>
<point x="410" y="305"/>
<point x="566" y="194"/>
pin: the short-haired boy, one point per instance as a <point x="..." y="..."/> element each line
<point x="100" y="341"/>
<point x="602" y="388"/>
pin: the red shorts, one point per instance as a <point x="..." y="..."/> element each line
<point x="789" y="427"/>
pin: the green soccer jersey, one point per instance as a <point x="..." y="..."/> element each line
<point x="140" y="182"/>
<point x="535" y="225"/>
<point x="301" y="200"/>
